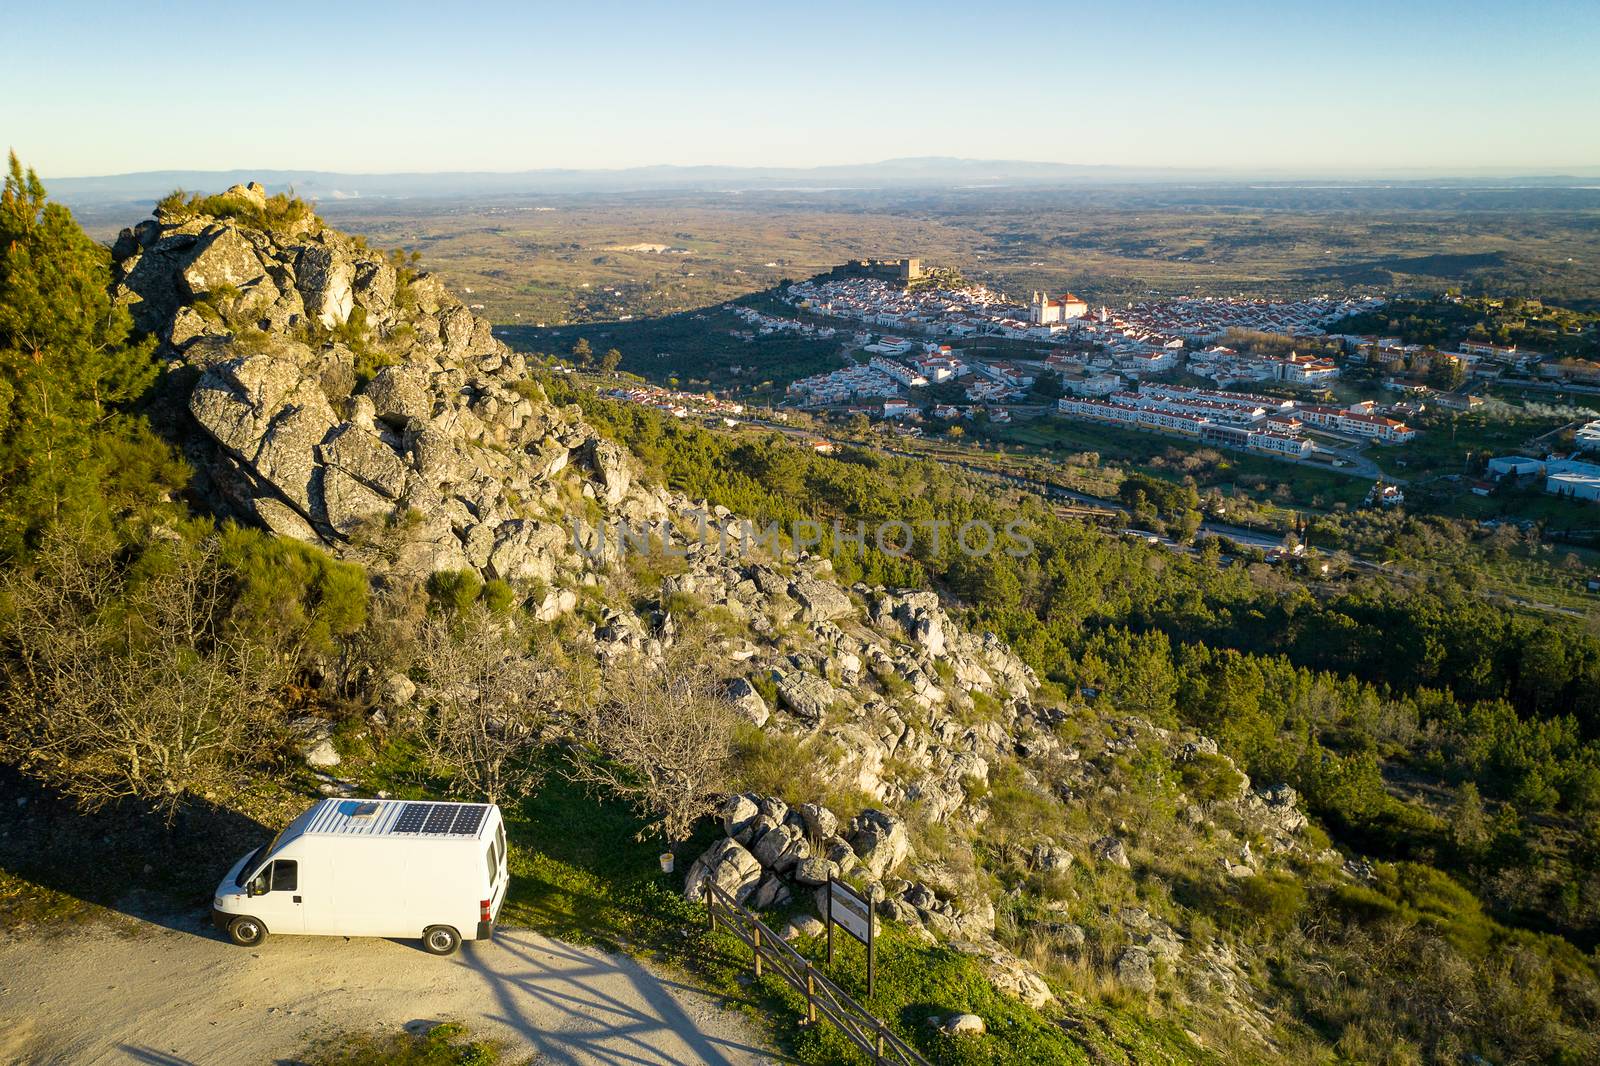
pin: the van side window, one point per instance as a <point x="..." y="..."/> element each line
<point x="285" y="875"/>
<point x="493" y="866"/>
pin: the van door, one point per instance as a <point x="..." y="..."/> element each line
<point x="277" y="898"/>
<point x="319" y="884"/>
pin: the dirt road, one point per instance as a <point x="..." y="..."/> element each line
<point x="180" y="995"/>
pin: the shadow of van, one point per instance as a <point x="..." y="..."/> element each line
<point x="124" y="858"/>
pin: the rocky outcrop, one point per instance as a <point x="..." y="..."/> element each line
<point x="774" y="854"/>
<point x="441" y="460"/>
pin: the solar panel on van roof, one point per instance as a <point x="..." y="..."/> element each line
<point x="445" y="819"/>
<point x="439" y="819"/>
<point x="412" y="817"/>
<point x="468" y="819"/>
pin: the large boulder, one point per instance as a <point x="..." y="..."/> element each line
<point x="610" y="466"/>
<point x="807" y="695"/>
<point x="325" y="279"/>
<point x="1278" y="807"/>
<point x="399" y="394"/>
<point x="962" y="1025"/>
<point x="349" y="504"/>
<point x="815" y="871"/>
<point x="820" y="600"/>
<point x="880" y="840"/>
<point x="803" y="925"/>
<point x="1011" y="977"/>
<point x="918" y="613"/>
<point x="287" y="458"/>
<point x="284" y="520"/>
<point x="236" y="400"/>
<point x="374" y="287"/>
<point x="739" y="813"/>
<point x="727" y="865"/>
<point x="526" y="550"/>
<point x="748" y="702"/>
<point x="1049" y="858"/>
<point x="272" y="418"/>
<point x="771" y="812"/>
<point x="821" y="823"/>
<point x="771" y="893"/>
<point x="782" y="848"/>
<point x="366" y="458"/>
<point x="222" y="259"/>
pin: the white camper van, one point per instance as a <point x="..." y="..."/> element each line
<point x="358" y="867"/>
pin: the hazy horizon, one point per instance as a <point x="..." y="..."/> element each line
<point x="1249" y="86"/>
<point x="1176" y="171"/>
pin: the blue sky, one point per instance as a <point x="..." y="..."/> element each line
<point x="1358" y="86"/>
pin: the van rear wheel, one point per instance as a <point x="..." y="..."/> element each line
<point x="440" y="940"/>
<point x="246" y="932"/>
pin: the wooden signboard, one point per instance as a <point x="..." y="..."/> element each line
<point x="853" y="913"/>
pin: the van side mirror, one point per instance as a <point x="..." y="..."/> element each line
<point x="257" y="887"/>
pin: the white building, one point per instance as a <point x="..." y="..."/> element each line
<point x="1282" y="443"/>
<point x="1357" y="424"/>
<point x="1008" y="374"/>
<point x="1044" y="310"/>
<point x="898" y="371"/>
<point x="1569" y="477"/>
<point x="1513" y="466"/>
<point x="1097" y="385"/>
<point x="1588" y="437"/>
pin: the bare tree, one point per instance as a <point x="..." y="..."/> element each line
<point x="658" y="734"/>
<point x="129" y="681"/>
<point x="490" y="703"/>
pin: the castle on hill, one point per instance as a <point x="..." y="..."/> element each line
<point x="898" y="270"/>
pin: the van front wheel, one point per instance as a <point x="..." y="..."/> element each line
<point x="440" y="940"/>
<point x="246" y="932"/>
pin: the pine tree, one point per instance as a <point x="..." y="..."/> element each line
<point x="67" y="363"/>
<point x="1469" y="824"/>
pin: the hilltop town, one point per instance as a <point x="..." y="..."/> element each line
<point x="924" y="349"/>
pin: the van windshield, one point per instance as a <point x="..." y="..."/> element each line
<point x="260" y="853"/>
<point x="248" y="867"/>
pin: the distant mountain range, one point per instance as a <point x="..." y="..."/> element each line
<point x="328" y="187"/>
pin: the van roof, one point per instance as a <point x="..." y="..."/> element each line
<point x="379" y="818"/>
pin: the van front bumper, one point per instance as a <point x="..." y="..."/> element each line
<point x="220" y="919"/>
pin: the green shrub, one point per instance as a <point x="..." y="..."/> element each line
<point x="1270" y="901"/>
<point x="1210" y="778"/>
<point x="281" y="211"/>
<point x="443" y="1045"/>
<point x="292" y="594"/>
<point x="498" y="596"/>
<point x="453" y="590"/>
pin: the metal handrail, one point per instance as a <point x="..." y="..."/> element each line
<point x="823" y="996"/>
